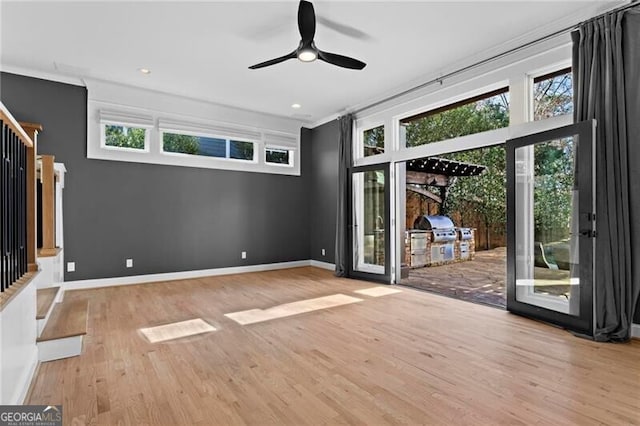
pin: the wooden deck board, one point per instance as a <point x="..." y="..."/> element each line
<point x="45" y="298"/>
<point x="410" y="357"/>
<point x="68" y="319"/>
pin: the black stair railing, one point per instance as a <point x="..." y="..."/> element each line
<point x="13" y="200"/>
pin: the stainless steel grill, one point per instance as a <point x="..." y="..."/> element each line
<point x="464" y="234"/>
<point x="435" y="240"/>
<point x="428" y="223"/>
<point x="443" y="235"/>
<point x="441" y="227"/>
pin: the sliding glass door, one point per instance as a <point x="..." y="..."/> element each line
<point x="370" y="223"/>
<point x="551" y="226"/>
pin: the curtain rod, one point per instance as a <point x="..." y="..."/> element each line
<point x="440" y="79"/>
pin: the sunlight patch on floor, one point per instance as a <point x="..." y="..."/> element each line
<point x="377" y="291"/>
<point x="176" y="330"/>
<point x="288" y="309"/>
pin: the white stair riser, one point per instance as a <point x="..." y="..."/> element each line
<point x="50" y="350"/>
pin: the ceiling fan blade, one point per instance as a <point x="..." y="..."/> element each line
<point x="306" y="21"/>
<point x="341" y="61"/>
<point x="291" y="55"/>
<point x="343" y="29"/>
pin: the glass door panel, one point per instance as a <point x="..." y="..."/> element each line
<point x="370" y="223"/>
<point x="550" y="226"/>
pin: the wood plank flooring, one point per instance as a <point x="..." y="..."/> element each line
<point x="405" y="358"/>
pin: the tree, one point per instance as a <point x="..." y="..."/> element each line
<point x="471" y="196"/>
<point x="125" y="137"/>
<point x="185" y="144"/>
<point x="241" y="150"/>
<point x="374" y="141"/>
<point x="480" y="116"/>
<point x="553" y="187"/>
<point x="482" y="196"/>
<point x="485" y="195"/>
<point x="553" y="96"/>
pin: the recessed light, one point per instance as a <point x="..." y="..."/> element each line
<point x="296" y="106"/>
<point x="145" y="70"/>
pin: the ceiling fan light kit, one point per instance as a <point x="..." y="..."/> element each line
<point x="307" y="54"/>
<point x="307" y="50"/>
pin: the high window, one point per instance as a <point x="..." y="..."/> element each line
<point x="126" y="124"/>
<point x="125" y="137"/>
<point x="207" y="146"/>
<point x="280" y="156"/>
<point x="553" y="94"/>
<point x="488" y="111"/>
<point x="373" y="141"/>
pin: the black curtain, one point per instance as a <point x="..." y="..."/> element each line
<point x="606" y="70"/>
<point x="342" y="219"/>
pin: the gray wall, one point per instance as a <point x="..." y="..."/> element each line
<point x="325" y="141"/>
<point x="166" y="218"/>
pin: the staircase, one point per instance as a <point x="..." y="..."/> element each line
<point x="61" y="325"/>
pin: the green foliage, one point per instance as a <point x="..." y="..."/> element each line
<point x="185" y="144"/>
<point x="484" y="196"/>
<point x="277" y="156"/>
<point x="472" y="196"/>
<point x="124" y="137"/>
<point x="553" y="188"/>
<point x="488" y="114"/>
<point x="374" y="141"/>
<point x="374" y="137"/>
<point x="241" y="150"/>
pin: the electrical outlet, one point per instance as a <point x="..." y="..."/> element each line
<point x="71" y="266"/>
<point x="243" y="254"/>
<point x="129" y="263"/>
<point x="323" y="252"/>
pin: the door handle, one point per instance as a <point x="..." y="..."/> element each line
<point x="587" y="233"/>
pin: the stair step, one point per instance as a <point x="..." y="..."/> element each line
<point x="45" y="298"/>
<point x="68" y="319"/>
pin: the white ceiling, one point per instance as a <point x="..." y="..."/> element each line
<point x="202" y="49"/>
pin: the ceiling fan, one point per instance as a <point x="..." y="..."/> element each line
<point x="307" y="50"/>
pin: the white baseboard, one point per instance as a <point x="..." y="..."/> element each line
<point x="323" y="265"/>
<point x="635" y="331"/>
<point x="171" y="276"/>
<point x="26" y="383"/>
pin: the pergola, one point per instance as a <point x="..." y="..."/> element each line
<point x="437" y="172"/>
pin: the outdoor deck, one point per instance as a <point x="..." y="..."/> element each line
<point x="481" y="280"/>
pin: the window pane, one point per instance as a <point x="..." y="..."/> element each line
<point x="475" y="115"/>
<point x="194" y="145"/>
<point x="277" y="156"/>
<point x="124" y="137"/>
<point x="241" y="150"/>
<point x="373" y="141"/>
<point x="212" y="147"/>
<point x="553" y="95"/>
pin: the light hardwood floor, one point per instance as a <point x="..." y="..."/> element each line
<point x="410" y="358"/>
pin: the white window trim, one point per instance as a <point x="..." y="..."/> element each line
<point x="514" y="71"/>
<point x="159" y="112"/>
<point x="516" y="74"/>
